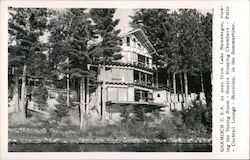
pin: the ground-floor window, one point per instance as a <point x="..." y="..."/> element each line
<point x="142" y="95"/>
<point x="117" y="94"/>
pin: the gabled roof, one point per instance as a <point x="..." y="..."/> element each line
<point x="141" y="36"/>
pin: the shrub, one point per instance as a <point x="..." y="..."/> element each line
<point x="40" y="95"/>
<point x="167" y="128"/>
<point x="61" y="109"/>
<point x="139" y="113"/>
<point x="125" y="115"/>
<point x="198" y="118"/>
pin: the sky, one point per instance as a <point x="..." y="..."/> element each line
<point x="123" y="15"/>
<point x="123" y="25"/>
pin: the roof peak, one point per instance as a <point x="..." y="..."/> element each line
<point x="142" y="37"/>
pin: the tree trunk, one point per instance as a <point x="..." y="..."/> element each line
<point x="103" y="100"/>
<point x="99" y="95"/>
<point x="186" y="84"/>
<point x="157" y="82"/>
<point x="16" y="95"/>
<point x="67" y="90"/>
<point x="174" y="86"/>
<point x="168" y="79"/>
<point x="23" y="95"/>
<point x="181" y="83"/>
<point x="82" y="103"/>
<point x="202" y="83"/>
<point x="87" y="96"/>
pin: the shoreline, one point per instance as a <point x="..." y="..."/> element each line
<point x="40" y="136"/>
<point x="111" y="141"/>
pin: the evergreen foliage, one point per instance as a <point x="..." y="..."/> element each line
<point x="26" y="26"/>
<point x="61" y="109"/>
<point x="70" y="32"/>
<point x="25" y="49"/>
<point x="104" y="25"/>
<point x="40" y="96"/>
<point x="182" y="38"/>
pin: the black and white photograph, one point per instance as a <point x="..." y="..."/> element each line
<point x="109" y="79"/>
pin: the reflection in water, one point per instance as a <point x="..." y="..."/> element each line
<point x="156" y="147"/>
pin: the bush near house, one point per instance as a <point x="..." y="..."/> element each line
<point x="40" y="95"/>
<point x="193" y="124"/>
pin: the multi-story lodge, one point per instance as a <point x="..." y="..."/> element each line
<point x="129" y="81"/>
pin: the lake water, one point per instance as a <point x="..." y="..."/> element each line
<point x="110" y="147"/>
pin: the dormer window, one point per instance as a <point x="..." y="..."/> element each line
<point x="128" y="41"/>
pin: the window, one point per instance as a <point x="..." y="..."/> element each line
<point x="134" y="42"/>
<point x="141" y="59"/>
<point x="112" y="94"/>
<point x="149" y="79"/>
<point x="143" y="77"/>
<point x="150" y="96"/>
<point x="142" y="96"/>
<point x="136" y="76"/>
<point x="137" y="95"/>
<point x="128" y="41"/>
<point x="147" y="61"/>
<point x="122" y="94"/>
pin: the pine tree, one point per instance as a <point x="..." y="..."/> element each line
<point x="109" y="48"/>
<point x="193" y="42"/>
<point x="70" y="32"/>
<point x="104" y="25"/>
<point x="182" y="38"/>
<point x="26" y="26"/>
<point x="206" y="59"/>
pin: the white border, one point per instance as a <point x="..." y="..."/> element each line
<point x="240" y="13"/>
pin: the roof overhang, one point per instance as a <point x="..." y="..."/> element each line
<point x="141" y="36"/>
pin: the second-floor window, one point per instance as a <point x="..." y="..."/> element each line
<point x="128" y="41"/>
<point x="141" y="60"/>
<point x="141" y="77"/>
